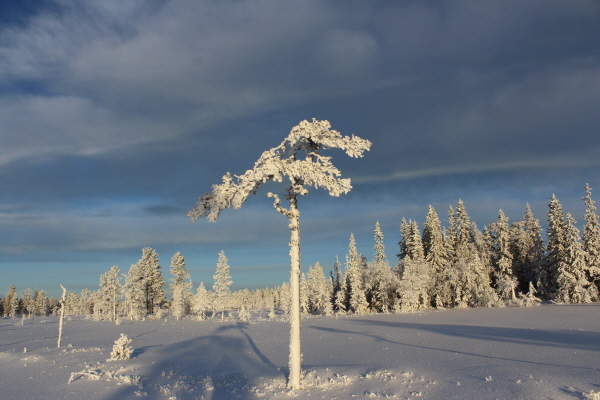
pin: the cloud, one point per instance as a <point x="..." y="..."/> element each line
<point x="115" y="117"/>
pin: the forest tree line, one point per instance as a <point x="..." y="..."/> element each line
<point x="439" y="267"/>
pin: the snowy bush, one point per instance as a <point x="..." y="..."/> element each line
<point x="121" y="349"/>
<point x="244" y="314"/>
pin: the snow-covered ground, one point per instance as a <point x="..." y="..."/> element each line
<point x="546" y="352"/>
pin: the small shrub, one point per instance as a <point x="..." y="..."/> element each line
<point x="121" y="349"/>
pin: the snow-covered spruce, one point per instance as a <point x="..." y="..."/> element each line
<point x="122" y="349"/>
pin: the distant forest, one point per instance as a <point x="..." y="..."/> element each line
<point x="439" y="267"/>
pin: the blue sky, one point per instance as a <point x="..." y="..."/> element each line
<point x="116" y="116"/>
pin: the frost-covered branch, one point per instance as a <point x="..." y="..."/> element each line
<point x="298" y="158"/>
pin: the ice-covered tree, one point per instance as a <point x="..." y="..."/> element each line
<point x="318" y="291"/>
<point x="591" y="236"/>
<point x="467" y="278"/>
<point x="122" y="349"/>
<point x="202" y="301"/>
<point x="27" y="302"/>
<point x="555" y="250"/>
<point x="134" y="293"/>
<point x="381" y="282"/>
<point x="502" y="258"/>
<point x="435" y="250"/>
<point x="181" y="286"/>
<point x="379" y="245"/>
<point x="298" y="159"/>
<point x="222" y="283"/>
<point x="415" y="283"/>
<point x="40" y="302"/>
<point x="572" y="284"/>
<point x="11" y="302"/>
<point x="153" y="280"/>
<point x="107" y="296"/>
<point x="527" y="248"/>
<point x="355" y="272"/>
<point x="337" y="279"/>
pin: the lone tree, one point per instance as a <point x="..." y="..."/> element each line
<point x="298" y="159"/>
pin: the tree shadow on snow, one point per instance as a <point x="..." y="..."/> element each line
<point x="579" y="340"/>
<point x="218" y="366"/>
<point x="524" y="336"/>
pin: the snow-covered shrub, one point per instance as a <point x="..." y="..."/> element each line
<point x="244" y="314"/>
<point x="121" y="349"/>
<point x="529" y="299"/>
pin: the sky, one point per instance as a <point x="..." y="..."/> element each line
<point x="115" y="117"/>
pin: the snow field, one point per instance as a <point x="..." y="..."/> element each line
<point x="546" y="352"/>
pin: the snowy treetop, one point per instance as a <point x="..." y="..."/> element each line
<point x="298" y="158"/>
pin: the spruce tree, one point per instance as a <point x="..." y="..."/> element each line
<point x="555" y="250"/>
<point x="572" y="284"/>
<point x="502" y="258"/>
<point x="153" y="280"/>
<point x="381" y="282"/>
<point x="468" y="278"/>
<point x="318" y="291"/>
<point x="436" y="254"/>
<point x="591" y="237"/>
<point x="27" y="302"/>
<point x="379" y="245"/>
<point x="134" y="293"/>
<point x="181" y="286"/>
<point x="11" y="302"/>
<point x="107" y="296"/>
<point x="337" y="279"/>
<point x="202" y="301"/>
<point x="40" y="302"/>
<point x="415" y="283"/>
<point x="527" y="248"/>
<point x="355" y="270"/>
<point x="222" y="283"/>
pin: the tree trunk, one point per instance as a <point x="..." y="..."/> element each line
<point x="62" y="314"/>
<point x="295" y="361"/>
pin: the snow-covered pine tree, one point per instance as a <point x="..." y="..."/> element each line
<point x="11" y="302"/>
<point x="527" y="248"/>
<point x="555" y="250"/>
<point x="469" y="277"/>
<point x="318" y="291"/>
<point x="201" y="302"/>
<point x="27" y="302"/>
<point x="381" y="282"/>
<point x="436" y="254"/>
<point x="181" y="286"/>
<point x="222" y="283"/>
<point x="122" y="349"/>
<point x="502" y="258"/>
<point x="40" y="303"/>
<point x="153" y="280"/>
<point x="572" y="284"/>
<point x="415" y="282"/>
<point x="355" y="270"/>
<point x="107" y="296"/>
<point x="379" y="245"/>
<point x="591" y="237"/>
<point x="134" y="293"/>
<point x="298" y="158"/>
<point x="285" y="298"/>
<point x="337" y="279"/>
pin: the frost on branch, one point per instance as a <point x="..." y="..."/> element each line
<point x="298" y="158"/>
